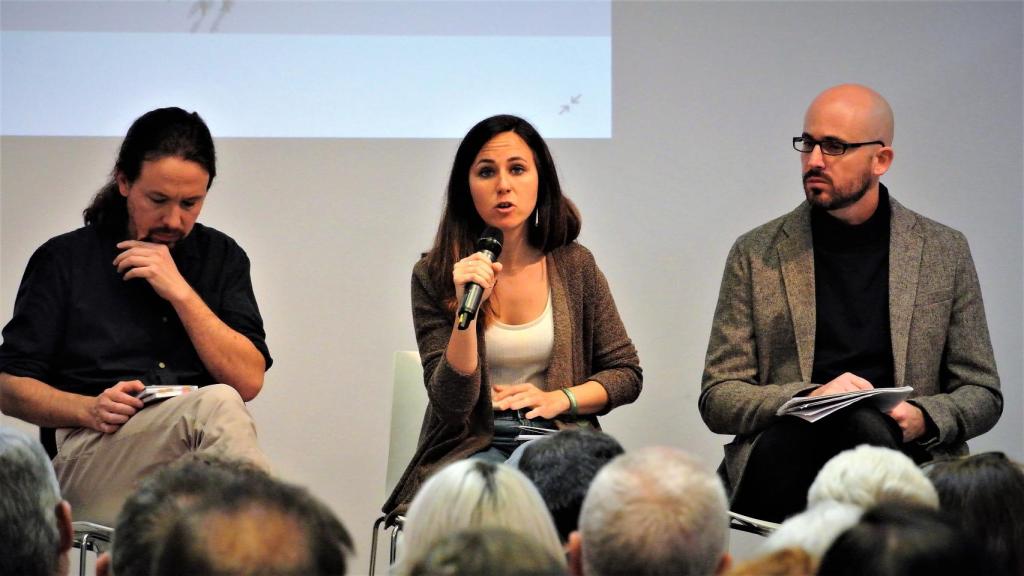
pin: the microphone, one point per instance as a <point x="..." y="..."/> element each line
<point x="489" y="245"/>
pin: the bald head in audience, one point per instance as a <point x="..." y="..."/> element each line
<point x="264" y="527"/>
<point x="654" y="511"/>
<point x="163" y="498"/>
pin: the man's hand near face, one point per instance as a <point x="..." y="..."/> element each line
<point x="231" y="358"/>
<point x="152" y="262"/>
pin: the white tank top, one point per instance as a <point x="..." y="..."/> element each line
<point x="521" y="353"/>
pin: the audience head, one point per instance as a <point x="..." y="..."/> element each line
<point x="261" y="526"/>
<point x="562" y="467"/>
<point x="35" y="522"/>
<point x="652" y="511"/>
<point x="901" y="539"/>
<point x="782" y="562"/>
<point x="474" y="494"/>
<point x="984" y="493"/>
<point x="869" y="475"/>
<point x="814" y="529"/>
<point x="160" y="500"/>
<point x="491" y="551"/>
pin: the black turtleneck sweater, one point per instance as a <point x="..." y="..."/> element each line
<point x="851" y="284"/>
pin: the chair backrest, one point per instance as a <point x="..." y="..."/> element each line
<point x="408" y="401"/>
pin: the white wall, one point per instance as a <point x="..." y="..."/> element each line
<point x="706" y="98"/>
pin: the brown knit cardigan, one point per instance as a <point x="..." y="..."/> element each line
<point x="590" y="344"/>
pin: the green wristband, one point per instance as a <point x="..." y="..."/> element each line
<point x="574" y="408"/>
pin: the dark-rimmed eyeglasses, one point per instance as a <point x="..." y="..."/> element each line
<point x="829" y="146"/>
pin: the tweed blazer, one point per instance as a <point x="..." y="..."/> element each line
<point x="590" y="344"/>
<point x="761" y="349"/>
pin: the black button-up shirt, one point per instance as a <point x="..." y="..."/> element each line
<point x="79" y="327"/>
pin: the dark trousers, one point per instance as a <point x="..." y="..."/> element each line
<point x="788" y="455"/>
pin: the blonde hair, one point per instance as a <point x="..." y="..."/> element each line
<point x="475" y="494"/>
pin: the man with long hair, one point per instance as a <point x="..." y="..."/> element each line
<point x="142" y="295"/>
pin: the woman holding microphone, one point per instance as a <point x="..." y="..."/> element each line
<point x="547" y="349"/>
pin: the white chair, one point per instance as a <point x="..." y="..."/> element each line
<point x="408" y="401"/>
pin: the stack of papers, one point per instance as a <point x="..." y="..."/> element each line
<point x="762" y="527"/>
<point x="157" y="393"/>
<point x="815" y="408"/>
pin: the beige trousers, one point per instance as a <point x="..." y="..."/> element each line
<point x="97" y="472"/>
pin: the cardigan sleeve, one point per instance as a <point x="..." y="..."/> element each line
<point x="452" y="395"/>
<point x="614" y="361"/>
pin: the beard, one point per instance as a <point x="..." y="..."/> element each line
<point x="841" y="197"/>
<point x="166" y="236"/>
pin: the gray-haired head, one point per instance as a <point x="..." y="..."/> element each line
<point x="869" y="475"/>
<point x="654" y="511"/>
<point x="35" y="539"/>
<point x="475" y="494"/>
<point x="814" y="529"/>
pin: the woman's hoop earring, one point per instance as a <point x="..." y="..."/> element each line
<point x="536" y="217"/>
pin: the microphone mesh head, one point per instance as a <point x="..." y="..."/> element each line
<point x="490" y="241"/>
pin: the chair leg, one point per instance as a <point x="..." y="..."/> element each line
<point x="82" y="554"/>
<point x="373" y="543"/>
<point x="395" y="530"/>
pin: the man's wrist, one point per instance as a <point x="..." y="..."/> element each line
<point x="85" y="415"/>
<point x="930" y="436"/>
<point x="184" y="296"/>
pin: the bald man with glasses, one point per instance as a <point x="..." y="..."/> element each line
<point x="849" y="291"/>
